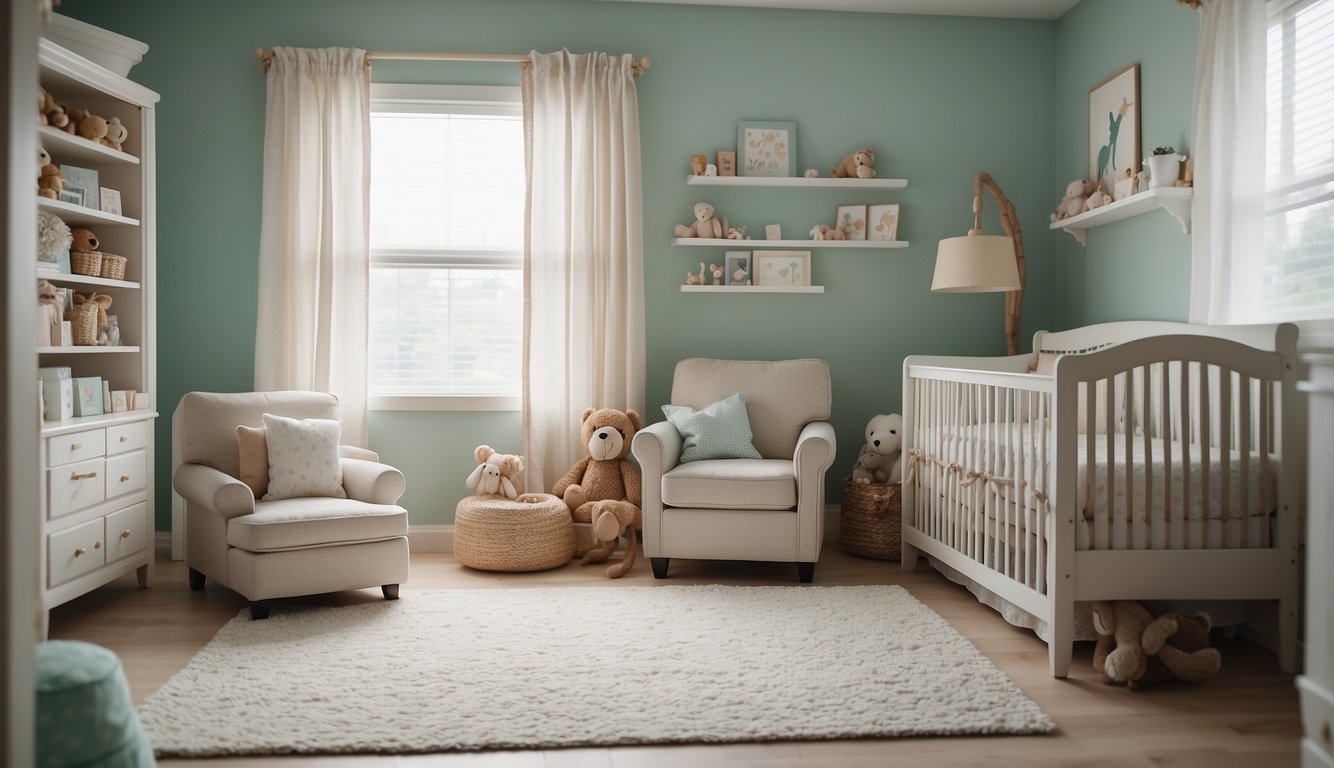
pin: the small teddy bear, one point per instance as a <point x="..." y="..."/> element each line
<point x="858" y="165"/>
<point x="737" y="233"/>
<point x="496" y="473"/>
<point x="884" y="435"/>
<point x="87" y="125"/>
<point x="706" y="224"/>
<point x="868" y="470"/>
<point x="1076" y="193"/>
<point x="717" y="271"/>
<point x="117" y="133"/>
<point x="51" y="180"/>
<point x="1135" y="649"/>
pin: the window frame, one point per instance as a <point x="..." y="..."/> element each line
<point x="428" y="99"/>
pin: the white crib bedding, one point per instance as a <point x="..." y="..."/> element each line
<point x="990" y="453"/>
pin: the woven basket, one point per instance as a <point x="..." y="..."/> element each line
<point x="83" y="323"/>
<point x="871" y="524"/>
<point x="87" y="263"/>
<point x="531" y="533"/>
<point x="113" y="266"/>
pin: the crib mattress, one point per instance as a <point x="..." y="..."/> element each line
<point x="1117" y="512"/>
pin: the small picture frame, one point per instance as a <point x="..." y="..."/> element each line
<point x="1125" y="187"/>
<point x="85" y="181"/>
<point x="110" y="200"/>
<point x="121" y="400"/>
<point x="88" y="396"/>
<point x="851" y="219"/>
<point x="141" y="401"/>
<point x="736" y="266"/>
<point x="726" y="162"/>
<point x="783" y="268"/>
<point x="773" y="232"/>
<point x="766" y="148"/>
<point x="71" y="195"/>
<point x="697" y="164"/>
<point x="882" y="222"/>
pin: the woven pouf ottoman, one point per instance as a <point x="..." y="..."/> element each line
<point x="84" y="716"/>
<point x="531" y="533"/>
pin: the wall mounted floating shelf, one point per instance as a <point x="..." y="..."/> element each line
<point x="1174" y="200"/>
<point x="795" y="181"/>
<point x="713" y="242"/>
<point x="752" y="289"/>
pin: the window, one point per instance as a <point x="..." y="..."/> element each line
<point x="1297" y="274"/>
<point x="446" y="240"/>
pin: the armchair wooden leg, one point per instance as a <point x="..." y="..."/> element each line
<point x="806" y="572"/>
<point x="390" y="591"/>
<point x="260" y="609"/>
<point x="196" y="581"/>
<point x="659" y="566"/>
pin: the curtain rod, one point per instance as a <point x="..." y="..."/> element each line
<point x="637" y="65"/>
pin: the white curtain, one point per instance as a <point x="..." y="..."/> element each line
<point x="314" y="264"/>
<point x="583" y="253"/>
<point x="1229" y="203"/>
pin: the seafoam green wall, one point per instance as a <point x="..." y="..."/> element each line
<point x="1138" y="268"/>
<point x="939" y="98"/>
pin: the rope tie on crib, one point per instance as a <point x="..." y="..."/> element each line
<point x="986" y="478"/>
<point x="915" y="456"/>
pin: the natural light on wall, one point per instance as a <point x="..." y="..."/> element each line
<point x="1297" y="276"/>
<point x="447" y="197"/>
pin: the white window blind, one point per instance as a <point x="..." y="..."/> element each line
<point x="446" y="237"/>
<point x="1297" y="274"/>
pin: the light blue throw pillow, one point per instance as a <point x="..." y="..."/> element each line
<point x="719" y="431"/>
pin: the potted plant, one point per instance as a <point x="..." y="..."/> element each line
<point x="1164" y="166"/>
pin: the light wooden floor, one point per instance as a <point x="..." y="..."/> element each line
<point x="1246" y="716"/>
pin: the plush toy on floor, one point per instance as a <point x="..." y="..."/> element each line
<point x="605" y="475"/>
<point x="496" y="473"/>
<point x="1135" y="649"/>
<point x="884" y="436"/>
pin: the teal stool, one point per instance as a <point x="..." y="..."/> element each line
<point x="84" y="715"/>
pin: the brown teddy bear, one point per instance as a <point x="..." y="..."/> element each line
<point x="858" y="165"/>
<point x="705" y="225"/>
<point x="50" y="181"/>
<point x="605" y="475"/>
<point x="86" y="124"/>
<point x="117" y="133"/>
<point x="1135" y="649"/>
<point x="84" y="240"/>
<point x="498" y="473"/>
<point x="50" y="113"/>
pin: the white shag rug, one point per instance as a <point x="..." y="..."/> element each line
<point x="539" y="668"/>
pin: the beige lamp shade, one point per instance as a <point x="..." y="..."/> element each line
<point x="976" y="264"/>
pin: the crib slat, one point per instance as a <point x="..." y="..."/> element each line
<point x="1153" y="526"/>
<point x="1187" y="441"/>
<point x="1206" y="440"/>
<point x="1224" y="405"/>
<point x="1244" y="449"/>
<point x="1045" y="444"/>
<point x="1265" y="441"/>
<point x="1169" y="418"/>
<point x="1117" y="516"/>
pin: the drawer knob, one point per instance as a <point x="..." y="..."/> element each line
<point x="97" y="545"/>
<point x="125" y="534"/>
<point x="124" y="438"/>
<point x="124" y="478"/>
<point x="75" y="446"/>
<point x="80" y="552"/>
<point x="84" y="476"/>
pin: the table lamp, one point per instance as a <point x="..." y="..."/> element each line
<point x="982" y="263"/>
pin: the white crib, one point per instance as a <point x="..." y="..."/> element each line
<point x="1181" y="477"/>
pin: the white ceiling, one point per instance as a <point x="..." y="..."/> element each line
<point x="1010" y="9"/>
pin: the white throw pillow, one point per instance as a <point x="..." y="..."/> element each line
<point x="303" y="458"/>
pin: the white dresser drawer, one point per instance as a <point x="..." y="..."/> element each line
<point x="126" y="473"/>
<point x="127" y="532"/>
<point x="77" y="446"/>
<point x="127" y="437"/>
<point x="76" y="551"/>
<point x="75" y="486"/>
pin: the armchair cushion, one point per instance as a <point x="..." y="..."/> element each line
<point x="303" y="458"/>
<point x="781" y="395"/>
<point x="315" y="522"/>
<point x="720" y="430"/>
<point x="731" y="484"/>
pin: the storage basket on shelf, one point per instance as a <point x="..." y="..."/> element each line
<point x="113" y="266"/>
<point x="86" y="263"/>
<point x="872" y="516"/>
<point x="83" y="323"/>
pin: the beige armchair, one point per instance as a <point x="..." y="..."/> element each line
<point x="282" y="548"/>
<point x="771" y="508"/>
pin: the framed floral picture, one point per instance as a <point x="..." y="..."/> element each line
<point x="1114" y="127"/>
<point x="766" y="148"/>
<point x="882" y="222"/>
<point x="736" y="266"/>
<point x="851" y="219"/>
<point x="783" y="268"/>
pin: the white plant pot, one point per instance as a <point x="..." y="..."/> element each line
<point x="1164" y="170"/>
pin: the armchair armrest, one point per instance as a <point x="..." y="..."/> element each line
<point x="815" y="448"/>
<point x="353" y="452"/>
<point x="657" y="448"/>
<point x="213" y="490"/>
<point x="372" y="482"/>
